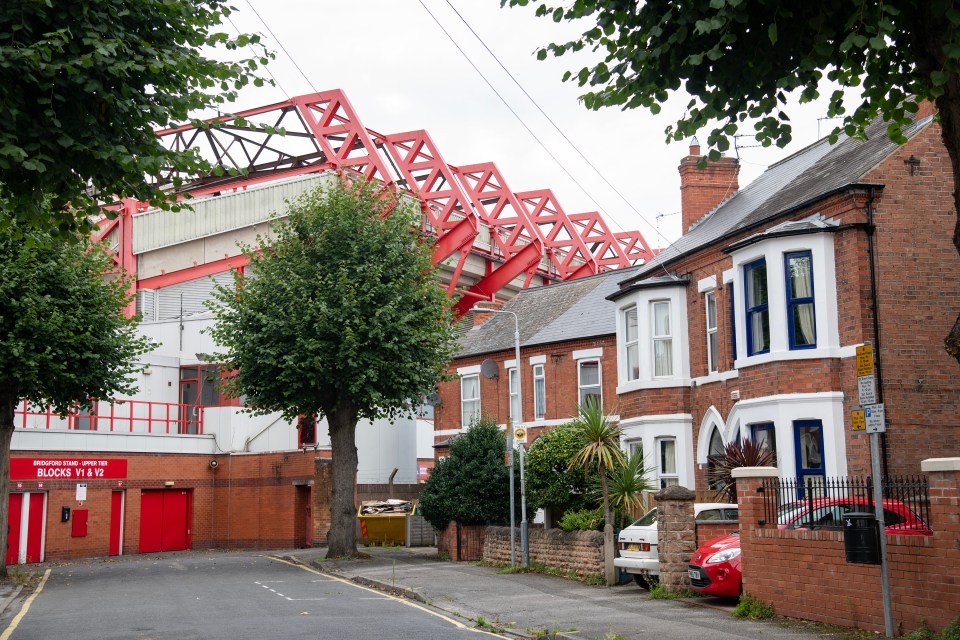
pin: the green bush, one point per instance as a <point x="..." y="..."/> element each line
<point x="471" y="485"/>
<point x="582" y="520"/>
<point x="551" y="482"/>
<point x="951" y="632"/>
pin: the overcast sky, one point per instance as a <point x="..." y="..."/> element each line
<point x="402" y="72"/>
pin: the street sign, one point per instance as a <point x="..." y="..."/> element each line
<point x="864" y="360"/>
<point x="858" y="419"/>
<point x="520" y="435"/>
<point x="867" y="385"/>
<point x="875" y="417"/>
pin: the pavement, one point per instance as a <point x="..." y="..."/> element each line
<point x="529" y="605"/>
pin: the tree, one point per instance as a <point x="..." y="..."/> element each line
<point x="601" y="452"/>
<point x="739" y="59"/>
<point x="344" y="319"/>
<point x="83" y="85"/>
<point x="626" y="483"/>
<point x="471" y="485"/>
<point x="64" y="339"/>
<point x="552" y="481"/>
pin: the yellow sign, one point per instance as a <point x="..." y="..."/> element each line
<point x="859" y="420"/>
<point x="520" y="434"/>
<point x="865" y="360"/>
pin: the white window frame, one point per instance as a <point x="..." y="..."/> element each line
<point x="539" y="391"/>
<point x="465" y="418"/>
<point x="642" y="297"/>
<point x="713" y="340"/>
<point x="598" y="386"/>
<point x="666" y="338"/>
<point x="665" y="480"/>
<point x="631" y="345"/>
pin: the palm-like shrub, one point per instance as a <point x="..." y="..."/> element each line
<point x="735" y="455"/>
<point x="601" y="449"/>
<point x="626" y="483"/>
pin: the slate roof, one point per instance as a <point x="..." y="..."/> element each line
<point x="797" y="181"/>
<point x="570" y="310"/>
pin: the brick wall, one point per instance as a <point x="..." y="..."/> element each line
<point x="577" y="551"/>
<point x="804" y="574"/>
<point x="560" y="372"/>
<point x="249" y="501"/>
<point x="462" y="542"/>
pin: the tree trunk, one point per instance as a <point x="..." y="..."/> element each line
<point x="342" y="540"/>
<point x="609" y="571"/>
<point x="929" y="31"/>
<point x="8" y="403"/>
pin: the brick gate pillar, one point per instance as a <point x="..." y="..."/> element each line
<point x="676" y="535"/>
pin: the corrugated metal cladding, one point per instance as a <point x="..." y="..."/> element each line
<point x="186" y="298"/>
<point x="156" y="228"/>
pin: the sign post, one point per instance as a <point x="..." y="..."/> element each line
<point x="871" y="417"/>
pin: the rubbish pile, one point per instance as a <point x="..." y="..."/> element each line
<point x="385" y="507"/>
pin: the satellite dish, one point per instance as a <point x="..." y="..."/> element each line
<point x="489" y="369"/>
<point x="434" y="399"/>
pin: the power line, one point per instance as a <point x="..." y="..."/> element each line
<point x="276" y="81"/>
<point x="280" y="44"/>
<point x="549" y="119"/>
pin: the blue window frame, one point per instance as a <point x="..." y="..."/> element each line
<point x="808" y="444"/>
<point x="801" y="318"/>
<point x="757" y="308"/>
<point x="733" y="327"/>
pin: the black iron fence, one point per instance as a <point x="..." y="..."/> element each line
<point x="820" y="503"/>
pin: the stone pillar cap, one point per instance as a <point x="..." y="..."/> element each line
<point x="675" y="492"/>
<point x="940" y="464"/>
<point x="754" y="472"/>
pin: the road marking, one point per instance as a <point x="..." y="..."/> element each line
<point x="409" y="603"/>
<point x="26" y="607"/>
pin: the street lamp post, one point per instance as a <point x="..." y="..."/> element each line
<point x="524" y="545"/>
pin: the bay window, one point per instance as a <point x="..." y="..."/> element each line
<point x="801" y="318"/>
<point x="631" y="345"/>
<point x="757" y="308"/>
<point x="662" y="340"/>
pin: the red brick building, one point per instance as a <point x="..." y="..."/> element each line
<point x="748" y="325"/>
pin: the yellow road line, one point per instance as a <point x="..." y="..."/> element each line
<point x="409" y="603"/>
<point x="26" y="607"/>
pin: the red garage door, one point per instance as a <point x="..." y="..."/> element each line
<point x="26" y="516"/>
<point x="165" y="520"/>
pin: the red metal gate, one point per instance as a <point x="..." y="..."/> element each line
<point x="26" y="516"/>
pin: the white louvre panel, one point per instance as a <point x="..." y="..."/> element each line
<point x="146" y="304"/>
<point x="189" y="297"/>
<point x="218" y="214"/>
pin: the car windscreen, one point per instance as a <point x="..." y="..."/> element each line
<point x="646" y="520"/>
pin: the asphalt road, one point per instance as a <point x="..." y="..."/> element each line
<point x="216" y="596"/>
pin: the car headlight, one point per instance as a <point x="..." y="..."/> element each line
<point x="723" y="556"/>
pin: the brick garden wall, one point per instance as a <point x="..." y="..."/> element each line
<point x="464" y="543"/>
<point x="577" y="551"/>
<point x="804" y="574"/>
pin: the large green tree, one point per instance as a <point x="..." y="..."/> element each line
<point x="738" y="60"/>
<point x="64" y="339"/>
<point x="344" y="318"/>
<point x="471" y="484"/>
<point x="83" y="85"/>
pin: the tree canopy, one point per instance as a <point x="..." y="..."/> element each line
<point x="64" y="339"/>
<point x="342" y="317"/>
<point x="739" y="60"/>
<point x="471" y="484"/>
<point x="83" y="85"/>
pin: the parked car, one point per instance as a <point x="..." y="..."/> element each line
<point x="637" y="543"/>
<point x="715" y="567"/>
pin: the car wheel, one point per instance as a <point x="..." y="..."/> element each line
<point x="645" y="582"/>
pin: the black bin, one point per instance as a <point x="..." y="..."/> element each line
<point x="861" y="538"/>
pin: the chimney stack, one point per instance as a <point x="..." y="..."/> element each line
<point x="701" y="190"/>
<point x="480" y="315"/>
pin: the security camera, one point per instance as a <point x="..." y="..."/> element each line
<point x="214" y="464"/>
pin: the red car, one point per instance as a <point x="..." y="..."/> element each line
<point x="715" y="567"/>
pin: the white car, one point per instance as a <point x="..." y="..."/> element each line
<point x="638" y="542"/>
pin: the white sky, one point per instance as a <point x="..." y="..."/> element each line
<point x="401" y="73"/>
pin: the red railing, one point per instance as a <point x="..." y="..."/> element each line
<point x="120" y="416"/>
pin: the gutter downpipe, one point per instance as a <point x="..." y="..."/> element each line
<point x="872" y="194"/>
